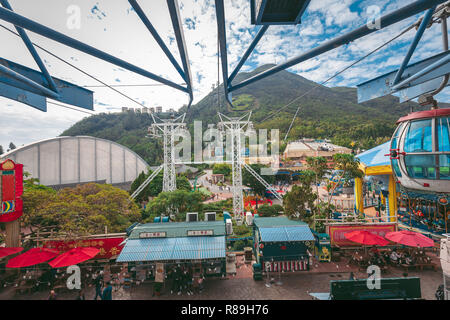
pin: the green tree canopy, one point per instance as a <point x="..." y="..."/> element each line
<point x="299" y="202"/>
<point x="249" y="180"/>
<point x="85" y="209"/>
<point x="177" y="202"/>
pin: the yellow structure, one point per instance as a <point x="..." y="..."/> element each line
<point x="374" y="162"/>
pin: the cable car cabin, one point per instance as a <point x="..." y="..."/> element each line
<point x="420" y="151"/>
<point x="281" y="244"/>
<point x="272" y="12"/>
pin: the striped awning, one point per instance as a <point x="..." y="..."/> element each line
<point x="287" y="233"/>
<point x="164" y="249"/>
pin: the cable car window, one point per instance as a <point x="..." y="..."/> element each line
<point x="396" y="168"/>
<point x="418" y="138"/>
<point x="443" y="131"/>
<point x="396" y="134"/>
<point x="421" y="166"/>
<point x="444" y="167"/>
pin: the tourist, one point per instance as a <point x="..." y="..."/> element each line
<point x="98" y="281"/>
<point x="52" y="295"/>
<point x="352" y="276"/>
<point x="80" y="295"/>
<point x="395" y="257"/>
<point x="107" y="292"/>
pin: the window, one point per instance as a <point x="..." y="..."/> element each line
<point x="443" y="130"/>
<point x="418" y="138"/>
<point x="444" y="167"/>
<point x="421" y="166"/>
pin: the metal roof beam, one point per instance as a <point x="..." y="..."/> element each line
<point x="386" y="20"/>
<point x="248" y="52"/>
<point x="380" y="86"/>
<point x="156" y="36"/>
<point x="222" y="35"/>
<point x="23" y="22"/>
<point x="33" y="51"/>
<point x="179" y="36"/>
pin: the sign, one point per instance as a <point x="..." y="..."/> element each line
<point x="144" y="235"/>
<point x="11" y="189"/>
<point x="159" y="272"/>
<point x="200" y="232"/>
<point x="109" y="247"/>
<point x="337" y="232"/>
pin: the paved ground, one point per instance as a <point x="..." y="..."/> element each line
<point x="293" y="286"/>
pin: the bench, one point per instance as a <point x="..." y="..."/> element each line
<point x="419" y="266"/>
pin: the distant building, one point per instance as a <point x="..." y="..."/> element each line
<point x="158" y="109"/>
<point x="152" y="110"/>
<point x="145" y="110"/>
<point x="298" y="151"/>
<point x="68" y="161"/>
<point x="124" y="109"/>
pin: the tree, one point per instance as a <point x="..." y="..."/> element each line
<point x="299" y="202"/>
<point x="11" y="146"/>
<point x="249" y="180"/>
<point x="85" y="209"/>
<point x="1" y="149"/>
<point x="270" y="211"/>
<point x="319" y="165"/>
<point x="222" y="168"/>
<point x="349" y="169"/>
<point x="155" y="186"/>
<point x="177" y="202"/>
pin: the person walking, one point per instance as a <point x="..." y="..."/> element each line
<point x="98" y="286"/>
<point x="52" y="295"/>
<point x="107" y="292"/>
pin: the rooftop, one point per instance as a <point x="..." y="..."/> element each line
<point x="268" y="222"/>
<point x="179" y="229"/>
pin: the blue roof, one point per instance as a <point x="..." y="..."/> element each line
<point x="376" y="156"/>
<point x="286" y="233"/>
<point x="184" y="248"/>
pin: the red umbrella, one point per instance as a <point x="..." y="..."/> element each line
<point x="410" y="238"/>
<point x="32" y="257"/>
<point x="4" y="252"/>
<point x="74" y="256"/>
<point x="366" y="238"/>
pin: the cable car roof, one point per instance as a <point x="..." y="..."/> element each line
<point x="425" y="114"/>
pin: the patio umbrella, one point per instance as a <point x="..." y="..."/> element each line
<point x="74" y="256"/>
<point x="410" y="238"/>
<point x="366" y="238"/>
<point x="4" y="252"/>
<point x="32" y="257"/>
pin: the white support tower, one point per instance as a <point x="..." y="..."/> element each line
<point x="167" y="129"/>
<point x="235" y="127"/>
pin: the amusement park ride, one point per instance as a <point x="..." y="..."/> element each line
<point x="420" y="147"/>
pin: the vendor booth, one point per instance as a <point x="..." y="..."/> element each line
<point x="157" y="249"/>
<point x="281" y="244"/>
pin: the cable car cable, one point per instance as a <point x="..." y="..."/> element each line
<point x="75" y="67"/>
<point x="339" y="72"/>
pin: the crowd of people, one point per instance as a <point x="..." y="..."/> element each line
<point x="392" y="257"/>
<point x="183" y="280"/>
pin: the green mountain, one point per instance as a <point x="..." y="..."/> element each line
<point x="324" y="113"/>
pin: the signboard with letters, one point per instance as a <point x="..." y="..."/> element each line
<point x="11" y="189"/>
<point x="109" y="247"/>
<point x="337" y="232"/>
<point x="144" y="235"/>
<point x="200" y="233"/>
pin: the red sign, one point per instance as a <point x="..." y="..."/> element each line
<point x="11" y="189"/>
<point x="108" y="246"/>
<point x="337" y="232"/>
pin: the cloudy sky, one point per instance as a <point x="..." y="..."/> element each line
<point x="114" y="27"/>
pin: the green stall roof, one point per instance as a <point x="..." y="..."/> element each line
<point x="267" y="222"/>
<point x="179" y="229"/>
